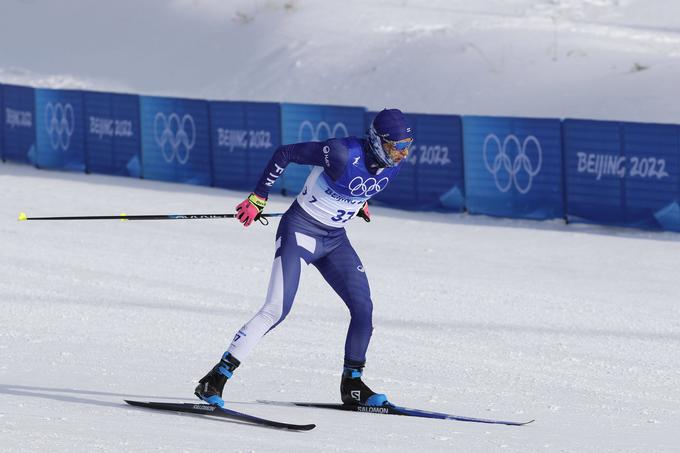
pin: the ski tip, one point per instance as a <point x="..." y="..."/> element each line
<point x="517" y="423"/>
<point x="22" y="216"/>
<point x="304" y="427"/>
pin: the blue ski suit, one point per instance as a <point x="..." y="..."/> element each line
<point x="342" y="179"/>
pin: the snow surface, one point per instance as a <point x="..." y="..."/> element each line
<point x="606" y="59"/>
<point x="575" y="326"/>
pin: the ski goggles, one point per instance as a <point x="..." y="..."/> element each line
<point x="397" y="150"/>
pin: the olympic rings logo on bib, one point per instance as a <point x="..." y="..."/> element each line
<point x="367" y="187"/>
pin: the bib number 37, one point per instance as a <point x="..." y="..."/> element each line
<point x="343" y="216"/>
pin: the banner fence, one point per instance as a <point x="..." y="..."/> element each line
<point x="605" y="172"/>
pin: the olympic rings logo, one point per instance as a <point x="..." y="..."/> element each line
<point x="59" y="124"/>
<point x="309" y="133"/>
<point x="367" y="187"/>
<point x="179" y="134"/>
<point x="503" y="164"/>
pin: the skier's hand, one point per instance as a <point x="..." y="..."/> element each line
<point x="249" y="209"/>
<point x="363" y="212"/>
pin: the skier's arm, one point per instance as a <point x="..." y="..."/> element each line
<point x="331" y="155"/>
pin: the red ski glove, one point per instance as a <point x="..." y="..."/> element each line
<point x="363" y="212"/>
<point x="249" y="209"/>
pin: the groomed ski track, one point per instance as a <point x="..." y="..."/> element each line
<point x="575" y="326"/>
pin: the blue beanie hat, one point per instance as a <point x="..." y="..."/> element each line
<point x="392" y="125"/>
<point x="387" y="126"/>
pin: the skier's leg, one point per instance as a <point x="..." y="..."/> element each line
<point x="293" y="248"/>
<point x="344" y="271"/>
<point x="283" y="285"/>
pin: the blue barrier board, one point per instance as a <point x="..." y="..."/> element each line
<point x="244" y="137"/>
<point x="513" y="167"/>
<point x="652" y="184"/>
<point x="622" y="173"/>
<point x="112" y="138"/>
<point x="18" y="124"/>
<point x="175" y="140"/>
<point x="60" y="131"/>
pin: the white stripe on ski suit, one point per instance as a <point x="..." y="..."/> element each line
<point x="250" y="334"/>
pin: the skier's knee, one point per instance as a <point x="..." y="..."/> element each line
<point x="362" y="312"/>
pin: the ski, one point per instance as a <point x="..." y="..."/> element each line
<point x="216" y="411"/>
<point x="395" y="410"/>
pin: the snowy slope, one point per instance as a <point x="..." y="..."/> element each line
<point x="610" y="59"/>
<point x="574" y="326"/>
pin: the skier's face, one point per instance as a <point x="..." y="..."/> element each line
<point x="397" y="150"/>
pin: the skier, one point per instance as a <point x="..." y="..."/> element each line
<point x="346" y="173"/>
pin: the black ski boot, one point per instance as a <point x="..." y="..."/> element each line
<point x="210" y="387"/>
<point x="354" y="392"/>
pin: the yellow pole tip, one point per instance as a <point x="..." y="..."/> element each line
<point x="22" y="216"/>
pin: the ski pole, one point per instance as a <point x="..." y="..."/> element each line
<point x="261" y="217"/>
